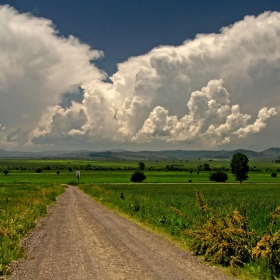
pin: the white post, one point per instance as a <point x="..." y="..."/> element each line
<point x="78" y="175"/>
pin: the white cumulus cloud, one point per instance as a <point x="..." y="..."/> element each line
<point x="258" y="125"/>
<point x="210" y="119"/>
<point x="36" y="67"/>
<point x="205" y="92"/>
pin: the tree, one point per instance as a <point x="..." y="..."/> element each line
<point x="206" y="167"/>
<point x="141" y="165"/>
<point x="273" y="175"/>
<point x="38" y="170"/>
<point x="70" y="169"/>
<point x="57" y="172"/>
<point x="218" y="176"/>
<point x="137" y="176"/>
<point x="6" y="171"/>
<point x="239" y="167"/>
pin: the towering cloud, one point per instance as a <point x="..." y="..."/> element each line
<point x="207" y="91"/>
<point x="36" y="67"/>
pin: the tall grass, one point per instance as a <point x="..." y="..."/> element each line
<point x="155" y="201"/>
<point x="20" y="208"/>
<point x="174" y="209"/>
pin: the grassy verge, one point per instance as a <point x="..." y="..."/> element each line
<point x="154" y="206"/>
<point x="20" y="208"/>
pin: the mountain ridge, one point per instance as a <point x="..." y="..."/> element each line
<point x="271" y="153"/>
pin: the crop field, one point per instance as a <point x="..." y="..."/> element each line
<point x="92" y="176"/>
<point x="101" y="171"/>
<point x="189" y="163"/>
<point x="20" y="208"/>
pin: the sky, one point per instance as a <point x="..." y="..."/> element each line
<point x="139" y="75"/>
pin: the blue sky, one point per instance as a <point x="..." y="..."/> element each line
<point x="125" y="28"/>
<point x="137" y="74"/>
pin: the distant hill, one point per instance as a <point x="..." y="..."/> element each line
<point x="12" y="154"/>
<point x="19" y="154"/>
<point x="272" y="153"/>
<point x="183" y="154"/>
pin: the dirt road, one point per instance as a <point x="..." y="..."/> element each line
<point x="80" y="239"/>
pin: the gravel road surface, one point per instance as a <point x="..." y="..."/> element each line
<point x="81" y="239"/>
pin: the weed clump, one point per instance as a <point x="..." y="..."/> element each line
<point x="222" y="240"/>
<point x="230" y="241"/>
<point x="268" y="247"/>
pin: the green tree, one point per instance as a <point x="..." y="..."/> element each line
<point x="218" y="176"/>
<point x="70" y="169"/>
<point x="137" y="176"/>
<point x="6" y="171"/>
<point x="38" y="170"/>
<point x="141" y="165"/>
<point x="239" y="167"/>
<point x="206" y="167"/>
<point x="57" y="172"/>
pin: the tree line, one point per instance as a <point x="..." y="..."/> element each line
<point x="239" y="167"/>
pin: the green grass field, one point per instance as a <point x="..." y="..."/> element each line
<point x="151" y="204"/>
<point x="23" y="190"/>
<point x="191" y="163"/>
<point x="155" y="201"/>
<point x="20" y="208"/>
<point x="28" y="175"/>
<point x="97" y="176"/>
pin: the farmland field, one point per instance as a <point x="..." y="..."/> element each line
<point x="190" y="163"/>
<point x="92" y="176"/>
<point x="149" y="202"/>
<point x="154" y="202"/>
<point x="157" y="206"/>
<point x="101" y="171"/>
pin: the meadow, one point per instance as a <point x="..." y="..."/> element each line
<point x="165" y="202"/>
<point x="190" y="163"/>
<point x="174" y="210"/>
<point x="119" y="171"/>
<point x="151" y="203"/>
